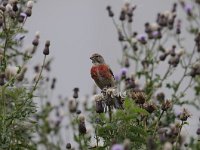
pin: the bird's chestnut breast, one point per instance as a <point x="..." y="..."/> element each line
<point x="100" y="70"/>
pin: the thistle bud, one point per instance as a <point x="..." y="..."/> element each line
<point x="174" y="61"/>
<point x="127" y="63"/>
<point x="35" y="42"/>
<point x="8" y="7"/>
<point x="81" y="127"/>
<point x="46" y="51"/>
<point x="68" y="146"/>
<point x="178" y="27"/>
<point x="198" y="131"/>
<point x="172" y="52"/>
<point x="28" y="12"/>
<point x="147" y="28"/>
<point x="47" y="44"/>
<point x="195" y="70"/>
<point x="72" y="105"/>
<point x="76" y="90"/>
<point x="53" y="83"/>
<point x="30" y="4"/>
<point x="150" y="107"/>
<point x="110" y="12"/>
<point x="174" y="7"/>
<point x="99" y="107"/>
<point x="22" y="17"/>
<point x="167" y="146"/>
<point x="123" y="73"/>
<point x="184" y="115"/>
<point x="122" y="15"/>
<point x="15" y="7"/>
<point x="160" y="97"/>
<point x="10" y="72"/>
<point x="127" y="144"/>
<point x="142" y="38"/>
<point x="188" y="9"/>
<point x="120" y="36"/>
<point x="163" y="57"/>
<point x="78" y="112"/>
<point x="138" y="96"/>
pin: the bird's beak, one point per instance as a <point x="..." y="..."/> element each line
<point x="91" y="58"/>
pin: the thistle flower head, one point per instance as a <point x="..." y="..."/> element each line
<point x="184" y="115"/>
<point x="81" y="118"/>
<point x="150" y="107"/>
<point x="123" y="72"/>
<point x="188" y="7"/>
<point x="167" y="146"/>
<point x="166" y="105"/>
<point x="98" y="97"/>
<point x="117" y="147"/>
<point x="142" y="38"/>
<point x="30" y="4"/>
<point x="8" y="7"/>
<point x="11" y="71"/>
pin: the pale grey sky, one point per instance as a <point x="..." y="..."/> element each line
<point x="78" y="28"/>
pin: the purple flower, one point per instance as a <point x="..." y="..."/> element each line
<point x="23" y="15"/>
<point x="155" y="33"/>
<point x="117" y="147"/>
<point x="123" y="71"/>
<point x="188" y="7"/>
<point x="117" y="78"/>
<point x="142" y="38"/>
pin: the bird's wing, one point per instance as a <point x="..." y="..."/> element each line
<point x="111" y="72"/>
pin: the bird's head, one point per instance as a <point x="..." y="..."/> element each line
<point x="97" y="59"/>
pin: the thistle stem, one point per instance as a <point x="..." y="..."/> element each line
<point x="110" y="113"/>
<point x="178" y="136"/>
<point x="157" y="122"/>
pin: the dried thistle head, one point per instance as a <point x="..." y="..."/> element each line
<point x="166" y="105"/>
<point x="72" y="105"/>
<point x="160" y="97"/>
<point x="81" y="118"/>
<point x="150" y="107"/>
<point x="99" y="107"/>
<point x="138" y="96"/>
<point x="11" y="71"/>
<point x="184" y="115"/>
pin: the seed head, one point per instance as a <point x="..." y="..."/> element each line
<point x="30" y="4"/>
<point x="28" y="12"/>
<point x="110" y="12"/>
<point x="82" y="128"/>
<point x="150" y="107"/>
<point x="166" y="105"/>
<point x="160" y="97"/>
<point x="184" y="115"/>
<point x="99" y="107"/>
<point x="68" y="146"/>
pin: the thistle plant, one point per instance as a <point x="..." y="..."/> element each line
<point x="159" y="71"/>
<point x="146" y="117"/>
<point x="16" y="98"/>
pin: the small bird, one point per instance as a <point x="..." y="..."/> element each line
<point x="101" y="72"/>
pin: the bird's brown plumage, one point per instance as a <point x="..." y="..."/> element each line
<point x="101" y="72"/>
